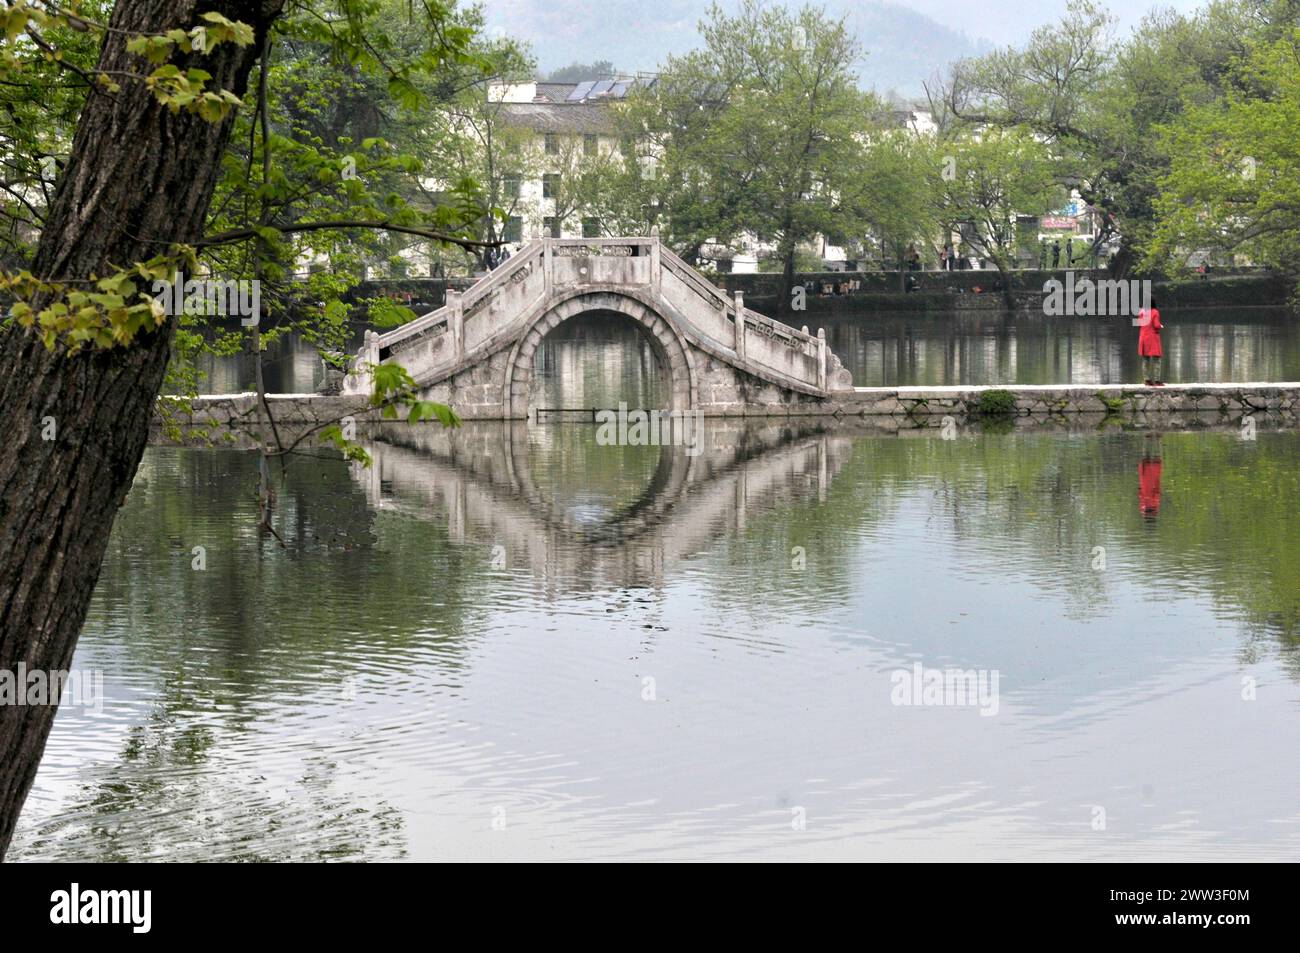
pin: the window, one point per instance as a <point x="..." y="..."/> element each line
<point x="551" y="227"/>
<point x="514" y="229"/>
<point x="552" y="141"/>
<point x="590" y="228"/>
<point x="590" y="145"/>
<point x="550" y="185"/>
<point x="510" y="185"/>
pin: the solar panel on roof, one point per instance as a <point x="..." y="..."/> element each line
<point x="603" y="86"/>
<point x="582" y="92"/>
<point x="619" y="90"/>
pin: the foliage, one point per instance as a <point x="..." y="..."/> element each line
<point x="26" y="23"/>
<point x="1099" y="104"/>
<point x="578" y="72"/>
<point x="995" y="174"/>
<point x="109" y="313"/>
<point x="759" y="131"/>
<point x="1233" y="185"/>
<point x="896" y="197"/>
<point x="995" y="403"/>
<point x="324" y="167"/>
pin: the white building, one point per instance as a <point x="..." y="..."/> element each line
<point x="570" y="125"/>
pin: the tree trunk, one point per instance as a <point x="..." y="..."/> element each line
<point x="786" y="304"/>
<point x="1123" y="260"/>
<point x="1005" y="277"/>
<point x="139" y="179"/>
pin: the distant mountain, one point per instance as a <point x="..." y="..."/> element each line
<point x="903" y="47"/>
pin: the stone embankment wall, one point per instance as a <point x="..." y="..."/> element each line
<point x="1228" y="401"/>
<point x="233" y="418"/>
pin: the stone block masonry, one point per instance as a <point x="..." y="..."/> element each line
<point x="232" y="418"/>
<point x="1228" y="401"/>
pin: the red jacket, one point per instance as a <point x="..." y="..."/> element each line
<point x="1149" y="337"/>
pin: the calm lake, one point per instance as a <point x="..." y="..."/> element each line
<point x="510" y="642"/>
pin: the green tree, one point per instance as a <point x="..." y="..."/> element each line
<point x="578" y="72"/>
<point x="470" y="140"/>
<point x="896" y="196"/>
<point x="1233" y="185"/>
<point x="156" y="90"/>
<point x="995" y="176"/>
<point x="324" y="170"/>
<point x="1098" y="103"/>
<point x="759" y="132"/>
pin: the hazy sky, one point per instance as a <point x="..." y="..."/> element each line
<point x="1010" y="21"/>
<point x="637" y="34"/>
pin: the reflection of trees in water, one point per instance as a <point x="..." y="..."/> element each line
<point x="597" y="360"/>
<point x="169" y="797"/>
<point x="219" y="646"/>
<point x="330" y="594"/>
<point x="362" y="589"/>
<point x="993" y="347"/>
<point x="1030" y="505"/>
<point x="1035" y="505"/>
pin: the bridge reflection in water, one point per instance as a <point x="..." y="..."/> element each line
<point x="484" y="479"/>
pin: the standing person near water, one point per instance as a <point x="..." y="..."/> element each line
<point x="1149" y="349"/>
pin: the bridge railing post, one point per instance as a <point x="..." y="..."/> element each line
<point x="548" y="265"/>
<point x="456" y="324"/>
<point x="371" y="352"/>
<point x="821" y="358"/>
<point x="740" y="324"/>
<point x="655" y="277"/>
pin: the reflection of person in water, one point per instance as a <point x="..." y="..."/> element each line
<point x="1149" y="479"/>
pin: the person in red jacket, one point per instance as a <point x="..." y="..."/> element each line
<point x="1149" y="349"/>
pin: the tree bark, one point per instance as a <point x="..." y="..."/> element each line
<point x="1123" y="260"/>
<point x="139" y="179"/>
<point x="787" y="282"/>
<point x="1005" y="276"/>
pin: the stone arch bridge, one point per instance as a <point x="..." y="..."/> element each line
<point x="719" y="358"/>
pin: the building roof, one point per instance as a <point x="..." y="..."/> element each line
<point x="572" y="118"/>
<point x="554" y="92"/>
